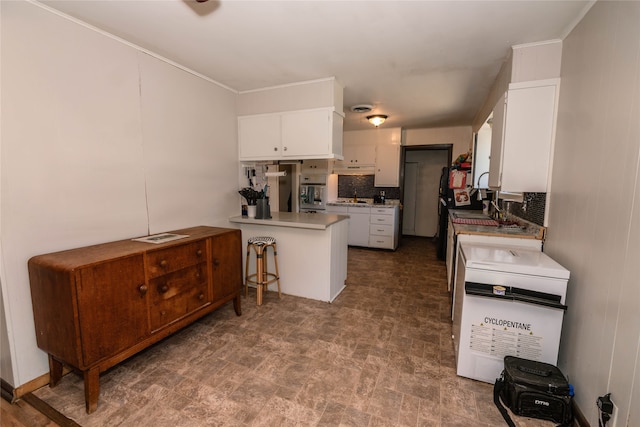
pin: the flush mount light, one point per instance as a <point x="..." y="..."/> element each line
<point x="377" y="119"/>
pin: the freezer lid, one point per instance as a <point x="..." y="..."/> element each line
<point x="512" y="260"/>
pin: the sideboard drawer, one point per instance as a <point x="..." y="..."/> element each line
<point x="169" y="260"/>
<point x="178" y="294"/>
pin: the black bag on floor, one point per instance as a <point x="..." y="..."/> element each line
<point x="533" y="389"/>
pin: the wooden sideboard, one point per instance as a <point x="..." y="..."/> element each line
<point x="98" y="305"/>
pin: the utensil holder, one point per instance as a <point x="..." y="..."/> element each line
<point x="263" y="210"/>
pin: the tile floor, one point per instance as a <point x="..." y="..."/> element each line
<point x="380" y="355"/>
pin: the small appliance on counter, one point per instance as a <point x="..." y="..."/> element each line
<point x="379" y="199"/>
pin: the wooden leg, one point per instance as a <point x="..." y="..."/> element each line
<point x="55" y="371"/>
<point x="246" y="272"/>
<point x="259" y="278"/>
<point x="91" y="389"/>
<point x="275" y="261"/>
<point x="236" y="305"/>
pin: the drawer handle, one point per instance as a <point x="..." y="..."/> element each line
<point x="380" y="219"/>
<point x="199" y="252"/>
<point x="163" y="263"/>
<point x="143" y="289"/>
<point x="164" y="288"/>
<point x="201" y="297"/>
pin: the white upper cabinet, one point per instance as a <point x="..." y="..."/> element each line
<point x="374" y="151"/>
<point x="387" y="173"/>
<point x="259" y="136"/>
<point x="296" y="121"/>
<point x="523" y="134"/>
<point x="359" y="149"/>
<point x="308" y="134"/>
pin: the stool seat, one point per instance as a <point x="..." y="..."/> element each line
<point x="261" y="241"/>
<point x="262" y="277"/>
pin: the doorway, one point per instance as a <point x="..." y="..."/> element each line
<point x="421" y="168"/>
<point x="286" y="189"/>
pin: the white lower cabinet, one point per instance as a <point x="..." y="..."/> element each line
<point x="384" y="228"/>
<point x="371" y="227"/>
<point x="359" y="225"/>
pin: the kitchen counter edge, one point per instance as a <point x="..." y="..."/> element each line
<point x="387" y="204"/>
<point x="293" y="220"/>
<point x="533" y="231"/>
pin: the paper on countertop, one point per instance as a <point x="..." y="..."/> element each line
<point x="160" y="238"/>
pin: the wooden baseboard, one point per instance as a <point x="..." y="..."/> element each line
<point x="6" y="391"/>
<point x="26" y="388"/>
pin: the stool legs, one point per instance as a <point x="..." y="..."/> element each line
<point x="262" y="276"/>
<point x="275" y="259"/>
<point x="260" y="273"/>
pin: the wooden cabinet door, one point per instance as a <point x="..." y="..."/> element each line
<point x="112" y="307"/>
<point x="226" y="254"/>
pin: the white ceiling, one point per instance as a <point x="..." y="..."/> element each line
<point x="423" y="63"/>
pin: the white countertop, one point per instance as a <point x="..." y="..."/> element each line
<point x="314" y="221"/>
<point x="365" y="202"/>
<point x="528" y="231"/>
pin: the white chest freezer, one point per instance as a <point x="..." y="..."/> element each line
<point x="509" y="301"/>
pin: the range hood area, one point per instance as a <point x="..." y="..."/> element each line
<point x="354" y="170"/>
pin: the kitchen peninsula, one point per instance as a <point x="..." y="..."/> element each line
<point x="312" y="251"/>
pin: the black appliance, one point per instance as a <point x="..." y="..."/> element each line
<point x="446" y="201"/>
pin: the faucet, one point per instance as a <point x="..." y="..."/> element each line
<point x="478" y="185"/>
<point x="499" y="212"/>
<point x="480" y="177"/>
<point x="355" y="196"/>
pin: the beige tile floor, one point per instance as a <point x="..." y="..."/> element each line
<point x="380" y="355"/>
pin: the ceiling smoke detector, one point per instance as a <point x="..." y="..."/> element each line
<point x="362" y="108"/>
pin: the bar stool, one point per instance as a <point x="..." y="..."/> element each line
<point x="262" y="276"/>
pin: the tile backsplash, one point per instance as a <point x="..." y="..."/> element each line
<point x="532" y="208"/>
<point x="363" y="185"/>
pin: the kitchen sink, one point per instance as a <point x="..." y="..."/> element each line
<point x="469" y="215"/>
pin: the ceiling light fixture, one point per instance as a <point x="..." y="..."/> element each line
<point x="377" y="119"/>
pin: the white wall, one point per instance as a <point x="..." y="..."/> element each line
<point x="594" y="218"/>
<point x="459" y="136"/>
<point x="100" y="142"/>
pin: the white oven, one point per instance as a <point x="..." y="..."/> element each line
<point x="510" y="301"/>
